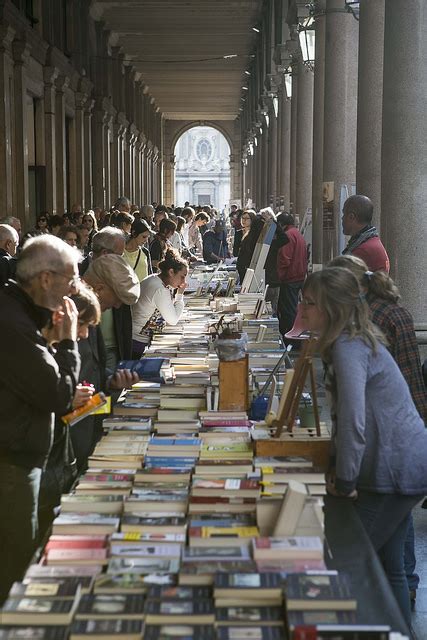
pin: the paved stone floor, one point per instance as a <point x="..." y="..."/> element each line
<point x="419" y="616"/>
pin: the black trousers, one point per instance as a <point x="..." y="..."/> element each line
<point x="287" y="305"/>
<point x="19" y="493"/>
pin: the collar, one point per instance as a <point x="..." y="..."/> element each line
<point x="40" y="315"/>
<point x="359" y="233"/>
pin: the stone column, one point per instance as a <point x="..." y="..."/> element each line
<point x="6" y="73"/>
<point x="78" y="179"/>
<point x="21" y="200"/>
<point x="137" y="185"/>
<point x="318" y="117"/>
<point x="98" y="164"/>
<point x="258" y="157"/>
<point x="61" y="163"/>
<point x="264" y="167"/>
<point x="304" y="140"/>
<point x="285" y="148"/>
<point x="49" y="75"/>
<point x="272" y="160"/>
<point x="293" y="141"/>
<point x="404" y="158"/>
<point x="340" y="115"/>
<point x="127" y="168"/>
<point x="369" y="102"/>
<point x="88" y="177"/>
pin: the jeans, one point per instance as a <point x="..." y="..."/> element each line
<point x="19" y="493"/>
<point x="409" y="557"/>
<point x="386" y="518"/>
<point x="287" y="305"/>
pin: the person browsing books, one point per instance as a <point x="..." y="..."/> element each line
<point x="378" y="440"/>
<point x="157" y="299"/>
<point x="34" y="385"/>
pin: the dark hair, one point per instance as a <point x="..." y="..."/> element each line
<point x="187" y="211"/>
<point x="139" y="226"/>
<point x="172" y="260"/>
<point x="162" y="208"/>
<point x="62" y="233"/>
<point x="123" y="218"/>
<point x="55" y="221"/>
<point x="285" y="219"/>
<point x="202" y="216"/>
<point x="361" y="207"/>
<point x="166" y="225"/>
<point x="180" y="222"/>
<point x="87" y="304"/>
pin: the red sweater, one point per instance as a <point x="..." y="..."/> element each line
<point x="374" y="254"/>
<point x="292" y="258"/>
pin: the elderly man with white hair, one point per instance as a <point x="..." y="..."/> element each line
<point x="34" y="385"/>
<point x="9" y="241"/>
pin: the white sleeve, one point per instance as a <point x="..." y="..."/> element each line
<point x="171" y="310"/>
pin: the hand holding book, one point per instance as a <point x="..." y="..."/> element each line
<point x="123" y="379"/>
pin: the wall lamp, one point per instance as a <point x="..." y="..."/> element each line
<point x="307" y="41"/>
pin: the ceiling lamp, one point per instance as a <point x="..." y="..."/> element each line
<point x="307" y="41"/>
<point x="276" y="106"/>
<point x="255" y="29"/>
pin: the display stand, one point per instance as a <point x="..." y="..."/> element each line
<point x="234" y="384"/>
<point x="285" y="441"/>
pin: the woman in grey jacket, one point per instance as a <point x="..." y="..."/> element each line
<point x="379" y="442"/>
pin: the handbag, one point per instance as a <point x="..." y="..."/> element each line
<point x="61" y="469"/>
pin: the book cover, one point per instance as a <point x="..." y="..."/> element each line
<point x="288" y="547"/>
<point x="249" y="633"/>
<point x="182" y="631"/>
<point x="65" y="588"/>
<point x="145" y="550"/>
<point x="76" y="542"/>
<point x="123" y="606"/>
<point x="196" y="611"/>
<point x="160" y="592"/>
<point x="107" y="629"/>
<point x="142" y="565"/>
<point x="318" y="591"/>
<point x="248" y="615"/>
<point x="76" y="556"/>
<point x="34" y="633"/>
<point x="212" y="553"/>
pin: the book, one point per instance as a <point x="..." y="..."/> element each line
<point x="179" y="611"/>
<point x="145" y="550"/>
<point x="96" y="402"/>
<point x="132" y="539"/>
<point x="148" y="369"/>
<point x="76" y="556"/>
<point x="37" y="571"/>
<point x="321" y="591"/>
<point x="270" y="462"/>
<point x="248" y="615"/>
<point x="39" y="611"/>
<point x="64" y="588"/>
<point x="120" y="629"/>
<point x="111" y="606"/>
<point x="249" y="633"/>
<point x="291" y="509"/>
<point x="160" y="592"/>
<point x="88" y="523"/>
<point x="127" y="583"/>
<point x="34" y="633"/>
<point x="213" y="553"/>
<point x="143" y="565"/>
<point x="203" y="573"/>
<point x="183" y="631"/>
<point x="154" y="523"/>
<point x="76" y="542"/>
<point x="248" y="585"/>
<point x="305" y="547"/>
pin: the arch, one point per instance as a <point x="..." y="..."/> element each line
<point x="202" y="174"/>
<point x="201" y="123"/>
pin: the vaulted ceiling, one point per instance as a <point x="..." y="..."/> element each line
<point x="178" y="46"/>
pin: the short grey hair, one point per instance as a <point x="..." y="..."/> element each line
<point x="122" y="202"/>
<point x="8" y="233"/>
<point x="106" y="240"/>
<point x="44" y="253"/>
<point x="10" y="220"/>
<point x="147" y="208"/>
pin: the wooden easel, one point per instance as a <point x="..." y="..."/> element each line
<point x="289" y="408"/>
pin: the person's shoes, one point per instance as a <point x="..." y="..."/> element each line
<point x="412" y="597"/>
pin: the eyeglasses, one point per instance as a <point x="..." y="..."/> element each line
<point x="72" y="282"/>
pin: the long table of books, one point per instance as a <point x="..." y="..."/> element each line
<point x="181" y="529"/>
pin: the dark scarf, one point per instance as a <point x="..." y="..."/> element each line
<point x="364" y="234"/>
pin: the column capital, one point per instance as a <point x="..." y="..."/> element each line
<point x="80" y="99"/>
<point x="61" y="83"/>
<point x="88" y="106"/>
<point x="50" y="74"/>
<point x="21" y="51"/>
<point x="7" y="33"/>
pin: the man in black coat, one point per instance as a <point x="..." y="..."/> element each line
<point x="34" y="385"/>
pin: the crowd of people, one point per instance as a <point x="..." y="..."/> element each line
<point x="81" y="292"/>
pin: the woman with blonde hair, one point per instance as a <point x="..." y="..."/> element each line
<point x="378" y="442"/>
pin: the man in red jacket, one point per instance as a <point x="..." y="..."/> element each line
<point x="292" y="270"/>
<point x="364" y="242"/>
